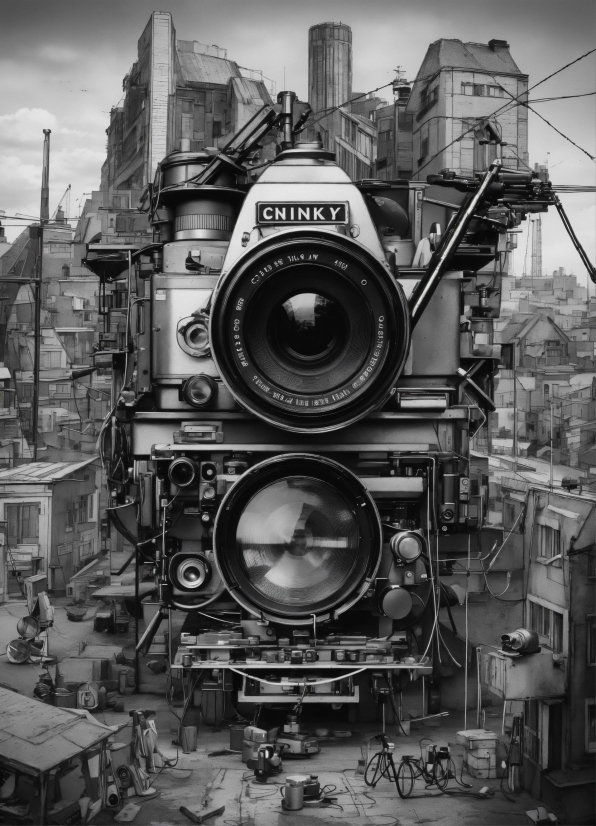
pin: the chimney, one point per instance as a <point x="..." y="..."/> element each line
<point x="498" y="44"/>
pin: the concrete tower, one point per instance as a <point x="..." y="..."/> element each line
<point x="329" y="65"/>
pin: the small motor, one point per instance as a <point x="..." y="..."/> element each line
<point x="267" y="763"/>
<point x="298" y="745"/>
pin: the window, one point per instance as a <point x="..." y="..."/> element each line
<point x="423" y="148"/>
<point x="548" y="624"/>
<point x="51" y="358"/>
<point x="531" y="734"/>
<point x="217" y="129"/>
<point x="467" y="88"/>
<point x="591" y="725"/>
<point x="591" y="565"/>
<point x="495" y="91"/>
<point x="23" y="524"/>
<point x="381" y="163"/>
<point x="509" y="515"/>
<point x="591" y="638"/>
<point x="549" y="541"/>
<point x="83" y="508"/>
<point x="85" y="549"/>
<point x="478" y="90"/>
<point x="87" y="316"/>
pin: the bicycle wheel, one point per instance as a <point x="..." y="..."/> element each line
<point x="404" y="779"/>
<point x="377" y="766"/>
<point x="440" y="774"/>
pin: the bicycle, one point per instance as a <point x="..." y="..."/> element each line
<point x="434" y="772"/>
<point x="434" y="769"/>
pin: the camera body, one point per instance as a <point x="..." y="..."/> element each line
<point x="291" y="432"/>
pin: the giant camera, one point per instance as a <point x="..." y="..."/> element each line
<point x="306" y="361"/>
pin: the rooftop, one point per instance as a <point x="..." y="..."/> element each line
<point x="42" y="472"/>
<point x="202" y="68"/>
<point x="452" y="53"/>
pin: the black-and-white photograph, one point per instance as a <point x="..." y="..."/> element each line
<point x="297" y="412"/>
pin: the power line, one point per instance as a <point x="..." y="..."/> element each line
<point x="563" y="135"/>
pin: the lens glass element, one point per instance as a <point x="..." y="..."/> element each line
<point x="307" y="326"/>
<point x="199" y="390"/>
<point x="409" y="547"/>
<point x="297" y="540"/>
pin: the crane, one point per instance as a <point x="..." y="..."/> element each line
<point x="66" y="199"/>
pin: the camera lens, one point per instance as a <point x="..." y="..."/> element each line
<point x="189" y="572"/>
<point x="407" y="546"/>
<point x="199" y="390"/>
<point x="300" y="536"/>
<point x="183" y="472"/>
<point x="309" y="333"/>
<point x="192" y="335"/>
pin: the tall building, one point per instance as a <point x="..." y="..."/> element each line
<point x="350" y="135"/>
<point x="329" y="65"/>
<point x="394" y="142"/>
<point x="178" y="95"/>
<point x="463" y="103"/>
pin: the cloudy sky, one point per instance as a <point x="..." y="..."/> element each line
<point x="62" y="65"/>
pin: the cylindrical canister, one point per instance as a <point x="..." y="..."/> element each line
<point x="188" y="739"/>
<point x="293" y="792"/>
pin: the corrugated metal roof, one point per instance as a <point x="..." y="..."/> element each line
<point x="251" y="91"/>
<point x="202" y="68"/>
<point x="42" y="472"/>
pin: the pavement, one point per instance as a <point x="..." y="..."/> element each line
<point x="200" y="782"/>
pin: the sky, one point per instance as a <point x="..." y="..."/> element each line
<point x="62" y="65"/>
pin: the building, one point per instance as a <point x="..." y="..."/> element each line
<point x="347" y="129"/>
<point x="554" y="688"/>
<point x="394" y="139"/>
<point x="178" y="95"/>
<point x="459" y="101"/>
<point x="49" y="513"/>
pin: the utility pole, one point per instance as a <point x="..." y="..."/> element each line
<point x="44" y="217"/>
<point x="514" y="404"/>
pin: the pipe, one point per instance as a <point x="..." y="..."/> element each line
<point x="425" y="289"/>
<point x="44" y="217"/>
<point x="287" y="100"/>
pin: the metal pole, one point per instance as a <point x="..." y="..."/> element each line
<point x="441" y="258"/>
<point x="551" y="443"/>
<point x="44" y="216"/>
<point x="514" y="405"/>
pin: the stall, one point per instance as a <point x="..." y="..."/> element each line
<point x="40" y="746"/>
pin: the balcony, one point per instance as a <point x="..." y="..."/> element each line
<point x="527" y="677"/>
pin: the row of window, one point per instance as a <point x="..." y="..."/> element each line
<point x="482" y="90"/>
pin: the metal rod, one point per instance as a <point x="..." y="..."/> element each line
<point x="44" y="216"/>
<point x="425" y="289"/>
<point x="479" y="691"/>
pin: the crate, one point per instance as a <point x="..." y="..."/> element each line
<point x="484" y="773"/>
<point x="477" y="739"/>
<point x="481" y="758"/>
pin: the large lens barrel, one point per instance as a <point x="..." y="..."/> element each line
<point x="309" y="332"/>
<point x="297" y="535"/>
